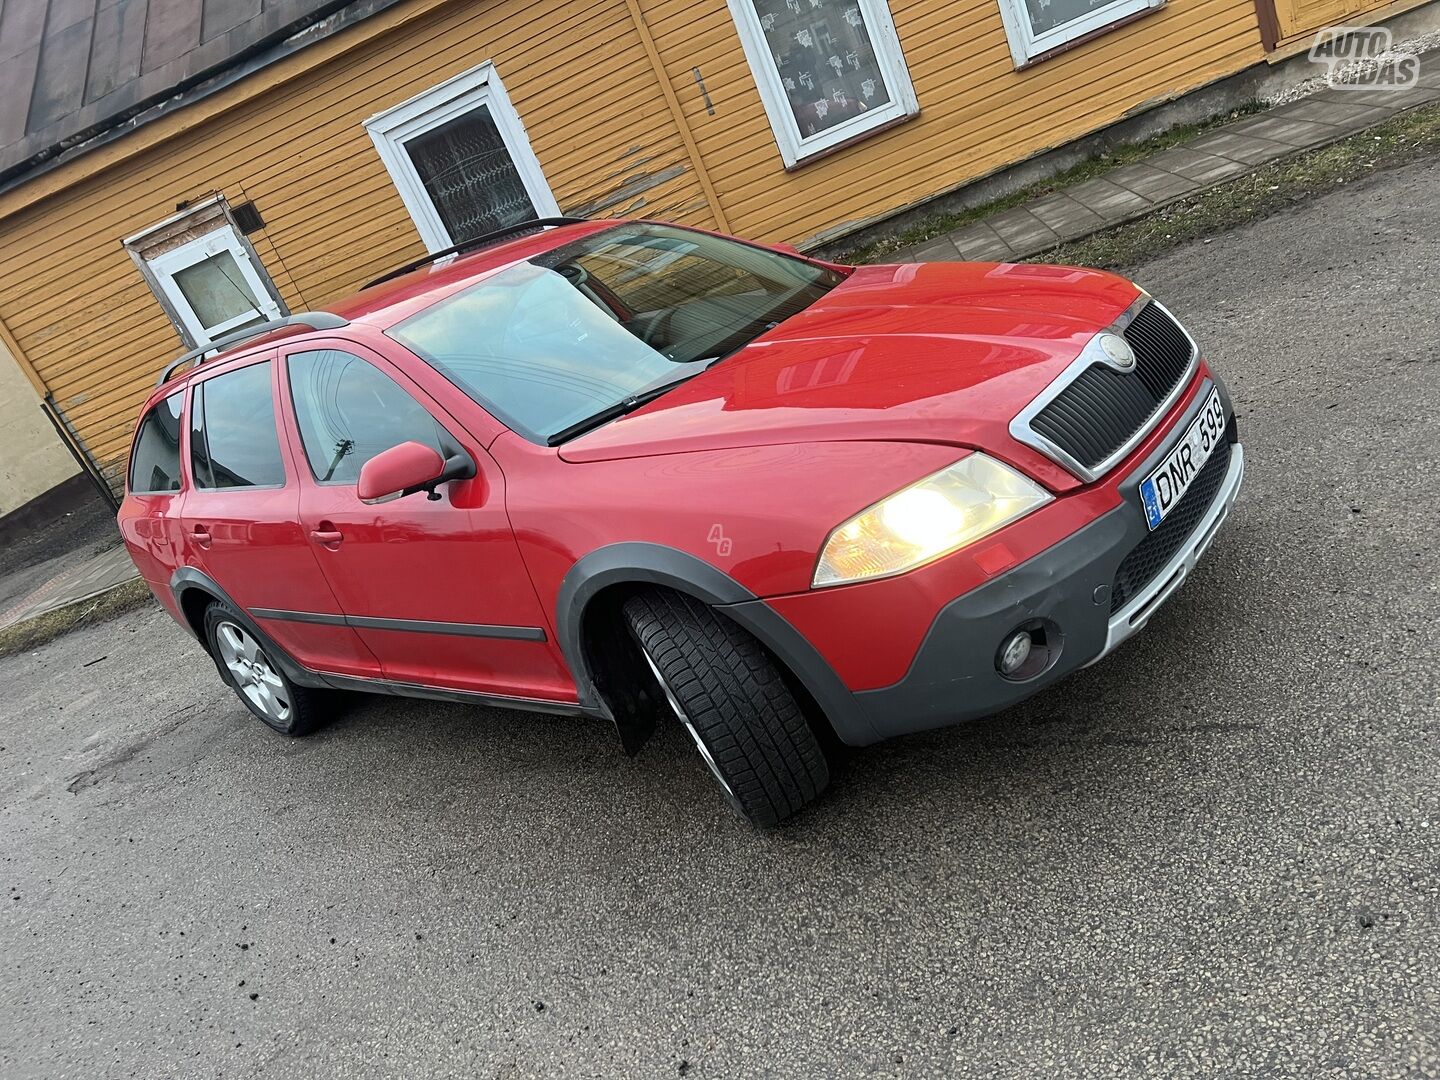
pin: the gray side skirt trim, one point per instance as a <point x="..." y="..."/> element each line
<point x="412" y="626"/>
<point x="439" y="693"/>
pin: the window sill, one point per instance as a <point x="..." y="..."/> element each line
<point x="1089" y="36"/>
<point x="859" y="137"/>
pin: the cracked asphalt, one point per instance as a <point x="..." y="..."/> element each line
<point x="1215" y="854"/>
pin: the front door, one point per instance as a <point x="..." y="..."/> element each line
<point x="436" y="588"/>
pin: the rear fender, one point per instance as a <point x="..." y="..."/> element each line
<point x="188" y="580"/>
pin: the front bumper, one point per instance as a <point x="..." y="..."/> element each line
<point x="1132" y="618"/>
<point x="1066" y="593"/>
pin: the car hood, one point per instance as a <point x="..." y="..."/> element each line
<point x="930" y="352"/>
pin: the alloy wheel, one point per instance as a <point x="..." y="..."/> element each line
<point x="252" y="672"/>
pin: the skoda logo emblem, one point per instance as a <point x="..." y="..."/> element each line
<point x="1117" y="352"/>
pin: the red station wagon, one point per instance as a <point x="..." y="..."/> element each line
<point x="630" y="470"/>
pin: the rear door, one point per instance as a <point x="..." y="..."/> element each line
<point x="241" y="520"/>
<point x="150" y="516"/>
<point x="435" y="588"/>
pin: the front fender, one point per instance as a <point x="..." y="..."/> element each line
<point x="637" y="563"/>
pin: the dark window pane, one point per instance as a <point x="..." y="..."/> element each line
<point x="349" y="411"/>
<point x="1047" y="15"/>
<point x="825" y="59"/>
<point x="470" y="177"/>
<point x="238" y="425"/>
<point x="155" y="464"/>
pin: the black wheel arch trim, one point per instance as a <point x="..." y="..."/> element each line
<point x="639" y="563"/>
<point x="188" y="579"/>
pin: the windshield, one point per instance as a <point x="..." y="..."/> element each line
<point x="579" y="332"/>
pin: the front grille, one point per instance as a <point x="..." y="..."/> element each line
<point x="1151" y="554"/>
<point x="1102" y="409"/>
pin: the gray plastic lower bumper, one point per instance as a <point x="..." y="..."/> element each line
<point x="1067" y="590"/>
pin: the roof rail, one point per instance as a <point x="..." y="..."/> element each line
<point x="485" y="240"/>
<point x="316" y="320"/>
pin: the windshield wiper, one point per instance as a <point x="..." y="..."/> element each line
<point x="620" y="408"/>
<point x="633" y="402"/>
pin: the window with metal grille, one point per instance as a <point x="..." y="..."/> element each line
<point x="460" y="160"/>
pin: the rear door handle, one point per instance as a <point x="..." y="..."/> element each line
<point x="202" y="536"/>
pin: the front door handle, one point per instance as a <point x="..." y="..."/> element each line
<point x="202" y="536"/>
<point x="329" y="537"/>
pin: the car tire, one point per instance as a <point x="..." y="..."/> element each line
<point x="734" y="701"/>
<point x="258" y="682"/>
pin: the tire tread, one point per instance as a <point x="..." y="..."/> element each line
<point x="738" y="701"/>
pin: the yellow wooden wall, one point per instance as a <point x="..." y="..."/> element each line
<point x="86" y="320"/>
<point x="977" y="113"/>
<point x="597" y="116"/>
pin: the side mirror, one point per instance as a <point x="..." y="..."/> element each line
<point x="408" y="468"/>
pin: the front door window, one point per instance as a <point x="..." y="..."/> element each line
<point x="348" y="411"/>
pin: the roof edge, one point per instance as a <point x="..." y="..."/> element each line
<point x="316" y="27"/>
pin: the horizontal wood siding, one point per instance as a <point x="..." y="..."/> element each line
<point x="95" y="332"/>
<point x="606" y="137"/>
<point x="977" y="113"/>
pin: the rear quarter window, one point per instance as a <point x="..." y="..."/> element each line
<point x="155" y="461"/>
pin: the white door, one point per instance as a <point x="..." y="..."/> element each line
<point x="213" y="286"/>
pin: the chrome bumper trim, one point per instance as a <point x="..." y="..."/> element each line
<point x="1133" y="616"/>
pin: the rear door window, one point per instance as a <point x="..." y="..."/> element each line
<point x="155" y="462"/>
<point x="349" y="411"/>
<point x="233" y="439"/>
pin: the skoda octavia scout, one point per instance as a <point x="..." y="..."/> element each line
<point x="650" y="474"/>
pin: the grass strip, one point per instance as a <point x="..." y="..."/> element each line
<point x="1403" y="138"/>
<point x="942" y="223"/>
<point x="32" y="633"/>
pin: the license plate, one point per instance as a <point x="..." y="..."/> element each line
<point x="1161" y="491"/>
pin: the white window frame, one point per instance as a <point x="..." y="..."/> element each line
<point x="165" y="267"/>
<point x="795" y="147"/>
<point x="392" y="128"/>
<point x="1026" y="45"/>
<point x="212" y="230"/>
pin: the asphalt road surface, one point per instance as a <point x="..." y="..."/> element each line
<point x="1215" y="854"/>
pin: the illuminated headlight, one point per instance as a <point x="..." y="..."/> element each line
<point x="954" y="507"/>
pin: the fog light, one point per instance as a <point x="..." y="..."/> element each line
<point x="1014" y="652"/>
